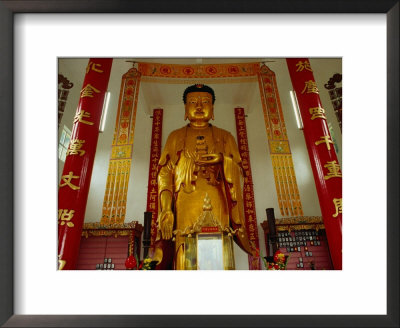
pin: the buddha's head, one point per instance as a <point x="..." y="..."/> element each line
<point x="199" y="104"/>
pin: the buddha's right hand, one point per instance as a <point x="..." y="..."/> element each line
<point x="166" y="223"/>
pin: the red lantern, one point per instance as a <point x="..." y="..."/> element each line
<point x="130" y="263"/>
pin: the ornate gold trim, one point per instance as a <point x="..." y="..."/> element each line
<point x="299" y="220"/>
<point x="248" y="79"/>
<point x="199" y="70"/>
<point x="206" y="219"/>
<point x="104" y="226"/>
<point x="296" y="223"/>
<point x="98" y="229"/>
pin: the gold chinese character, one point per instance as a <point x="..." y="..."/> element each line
<point x="310" y="87"/>
<point x="88" y="90"/>
<point x="303" y="66"/>
<point x="80" y="115"/>
<point x="93" y="67"/>
<point x="75" y="147"/>
<point x="338" y="206"/>
<point x="317" y="112"/>
<point x="325" y="139"/>
<point x="61" y="263"/>
<point x="66" y="215"/>
<point x="67" y="180"/>
<point x="334" y="170"/>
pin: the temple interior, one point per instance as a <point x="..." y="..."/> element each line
<point x="282" y="176"/>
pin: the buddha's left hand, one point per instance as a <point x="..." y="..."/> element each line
<point x="209" y="159"/>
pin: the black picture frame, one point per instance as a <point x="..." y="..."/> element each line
<point x="7" y="11"/>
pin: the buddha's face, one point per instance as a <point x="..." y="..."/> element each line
<point x="199" y="107"/>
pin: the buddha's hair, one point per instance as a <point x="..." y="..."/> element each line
<point x="198" y="88"/>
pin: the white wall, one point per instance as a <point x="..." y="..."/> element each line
<point x="263" y="179"/>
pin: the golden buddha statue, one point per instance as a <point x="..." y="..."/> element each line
<point x="200" y="170"/>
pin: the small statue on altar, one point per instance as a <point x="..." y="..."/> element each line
<point x="199" y="164"/>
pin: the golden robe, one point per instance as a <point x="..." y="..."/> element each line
<point x="189" y="183"/>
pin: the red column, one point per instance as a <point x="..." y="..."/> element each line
<point x="324" y="162"/>
<point x="248" y="192"/>
<point x="75" y="181"/>
<point x="155" y="153"/>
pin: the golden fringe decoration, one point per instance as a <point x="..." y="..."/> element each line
<point x="231" y="70"/>
<point x="279" y="148"/>
<point x="115" y="195"/>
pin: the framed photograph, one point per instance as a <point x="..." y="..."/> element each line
<point x="13" y="311"/>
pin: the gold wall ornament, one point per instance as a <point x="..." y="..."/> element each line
<point x="116" y="191"/>
<point x="281" y="157"/>
<point x="172" y="80"/>
<point x="197" y="71"/>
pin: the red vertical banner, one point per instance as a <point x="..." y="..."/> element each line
<point x="75" y="180"/>
<point x="324" y="162"/>
<point x="152" y="189"/>
<point x="248" y="192"/>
